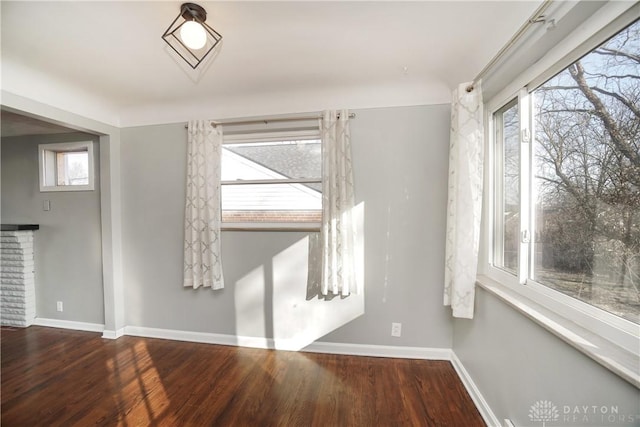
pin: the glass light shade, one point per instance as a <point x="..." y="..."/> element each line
<point x="193" y="35"/>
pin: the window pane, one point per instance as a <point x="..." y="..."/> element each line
<point x="507" y="126"/>
<point x="270" y="197"/>
<point x="272" y="160"/>
<point x="587" y="178"/>
<point x="72" y="168"/>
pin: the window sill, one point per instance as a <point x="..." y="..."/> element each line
<point x="66" y="188"/>
<point x="270" y="226"/>
<point x="619" y="360"/>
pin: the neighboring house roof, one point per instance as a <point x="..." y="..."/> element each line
<point x="299" y="159"/>
<point x="264" y="163"/>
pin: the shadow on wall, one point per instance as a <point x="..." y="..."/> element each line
<point x="279" y="299"/>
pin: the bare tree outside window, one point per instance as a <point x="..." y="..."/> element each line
<point x="587" y="177"/>
<point x="72" y="168"/>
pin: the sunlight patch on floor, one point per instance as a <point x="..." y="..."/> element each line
<point x="138" y="380"/>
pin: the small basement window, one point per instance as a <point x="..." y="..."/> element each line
<point x="66" y="166"/>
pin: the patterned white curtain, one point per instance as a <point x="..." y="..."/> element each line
<point x="202" y="263"/>
<point x="338" y="228"/>
<point x="464" y="205"/>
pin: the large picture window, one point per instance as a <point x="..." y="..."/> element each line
<point x="580" y="234"/>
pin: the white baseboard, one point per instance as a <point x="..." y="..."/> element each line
<point x="269" y="343"/>
<point x="202" y="337"/>
<point x="483" y="407"/>
<point x="380" y="351"/>
<point x="113" y="334"/>
<point x="68" y="324"/>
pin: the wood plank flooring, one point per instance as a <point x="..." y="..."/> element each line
<point x="55" y="377"/>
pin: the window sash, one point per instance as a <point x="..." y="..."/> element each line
<point x="526" y="136"/>
<point x="499" y="233"/>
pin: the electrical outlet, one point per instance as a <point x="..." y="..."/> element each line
<point x="59" y="306"/>
<point x="396" y="329"/>
<point x="46" y="205"/>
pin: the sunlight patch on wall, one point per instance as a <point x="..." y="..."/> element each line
<point x="276" y="306"/>
<point x="298" y="320"/>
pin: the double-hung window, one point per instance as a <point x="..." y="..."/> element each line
<point x="566" y="188"/>
<point x="272" y="179"/>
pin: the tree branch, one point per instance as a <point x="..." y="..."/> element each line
<point x="577" y="73"/>
<point x="620" y="98"/>
<point x="544" y="178"/>
<point x="613" y="76"/>
<point x="624" y="101"/>
<point x="558" y="88"/>
<point x="568" y="110"/>
<point x="615" y="52"/>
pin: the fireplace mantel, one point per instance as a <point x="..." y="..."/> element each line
<point x="19" y="227"/>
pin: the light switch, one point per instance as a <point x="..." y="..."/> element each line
<point x="46" y="205"/>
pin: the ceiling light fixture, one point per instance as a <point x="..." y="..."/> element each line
<point x="189" y="35"/>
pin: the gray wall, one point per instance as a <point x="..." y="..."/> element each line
<point x="401" y="158"/>
<point x="68" y="245"/>
<point x="400" y="165"/>
<point x="515" y="363"/>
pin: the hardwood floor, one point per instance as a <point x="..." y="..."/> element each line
<point x="55" y="377"/>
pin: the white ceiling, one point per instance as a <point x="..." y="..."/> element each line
<point x="107" y="59"/>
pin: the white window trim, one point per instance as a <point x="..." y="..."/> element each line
<point x="249" y="136"/>
<point x="271" y="226"/>
<point x="608" y="339"/>
<point x="65" y="147"/>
